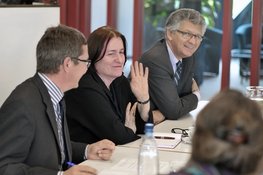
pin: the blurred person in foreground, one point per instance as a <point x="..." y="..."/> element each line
<point x="33" y="130"/>
<point x="171" y="61"/>
<point x="106" y="104"/>
<point x="228" y="137"/>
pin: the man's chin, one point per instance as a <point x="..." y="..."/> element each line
<point x="188" y="54"/>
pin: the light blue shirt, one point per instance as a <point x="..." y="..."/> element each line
<point x="172" y="57"/>
<point x="54" y="92"/>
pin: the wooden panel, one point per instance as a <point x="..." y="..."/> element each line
<point x="111" y="13"/>
<point x="226" y="43"/>
<point x="137" y="29"/>
<point x="85" y="17"/>
<point x="73" y="13"/>
<point x="63" y="11"/>
<point x="256" y="42"/>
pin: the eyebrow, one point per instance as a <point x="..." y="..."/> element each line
<point x="114" y="50"/>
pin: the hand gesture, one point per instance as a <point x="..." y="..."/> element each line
<point x="100" y="150"/>
<point x="139" y="81"/>
<point x="130" y="117"/>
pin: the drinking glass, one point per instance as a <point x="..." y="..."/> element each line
<point x="255" y="93"/>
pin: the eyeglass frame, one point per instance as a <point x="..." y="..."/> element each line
<point x="188" y="35"/>
<point x="88" y="61"/>
<point x="183" y="131"/>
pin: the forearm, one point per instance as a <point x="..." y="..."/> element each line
<point x="158" y="117"/>
<point x="144" y="108"/>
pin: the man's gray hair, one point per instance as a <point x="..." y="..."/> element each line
<point x="184" y="14"/>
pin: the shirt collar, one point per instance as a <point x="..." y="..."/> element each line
<point x="172" y="57"/>
<point x="55" y="93"/>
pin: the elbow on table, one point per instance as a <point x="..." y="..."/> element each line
<point x="172" y="113"/>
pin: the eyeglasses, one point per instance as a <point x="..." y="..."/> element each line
<point x="88" y="62"/>
<point x="184" y="132"/>
<point x="188" y="36"/>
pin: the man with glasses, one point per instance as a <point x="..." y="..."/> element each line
<point x="33" y="130"/>
<point x="173" y="90"/>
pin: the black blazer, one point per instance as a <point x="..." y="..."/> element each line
<point x="28" y="133"/>
<point x="94" y="112"/>
<point x="172" y="101"/>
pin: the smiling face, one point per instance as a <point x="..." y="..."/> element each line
<point x="180" y="46"/>
<point x="112" y="63"/>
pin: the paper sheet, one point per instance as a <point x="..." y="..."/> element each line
<point x="167" y="140"/>
<point x="128" y="166"/>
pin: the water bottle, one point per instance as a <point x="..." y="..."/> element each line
<point x="148" y="161"/>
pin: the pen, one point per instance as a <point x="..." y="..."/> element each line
<point x="70" y="164"/>
<point x="164" y="137"/>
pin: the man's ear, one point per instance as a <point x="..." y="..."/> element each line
<point x="169" y="34"/>
<point x="67" y="63"/>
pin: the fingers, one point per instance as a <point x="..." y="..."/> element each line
<point x="107" y="144"/>
<point x="106" y="150"/>
<point x="81" y="170"/>
<point x="130" y="116"/>
<point x="133" y="109"/>
<point x="128" y="108"/>
<point x="137" y="69"/>
<point x="100" y="150"/>
<point x="146" y="73"/>
<point x="105" y="154"/>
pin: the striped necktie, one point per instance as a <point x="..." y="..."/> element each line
<point x="178" y="72"/>
<point x="59" y="120"/>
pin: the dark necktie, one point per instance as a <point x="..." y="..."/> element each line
<point x="178" y="72"/>
<point x="59" y="120"/>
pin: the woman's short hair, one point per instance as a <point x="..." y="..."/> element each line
<point x="229" y="133"/>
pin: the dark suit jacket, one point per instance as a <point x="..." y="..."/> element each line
<point x="28" y="133"/>
<point x="172" y="101"/>
<point x="94" y="112"/>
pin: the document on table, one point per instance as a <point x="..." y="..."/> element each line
<point x="128" y="166"/>
<point x="167" y="140"/>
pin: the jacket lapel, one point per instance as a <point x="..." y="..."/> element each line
<point x="49" y="107"/>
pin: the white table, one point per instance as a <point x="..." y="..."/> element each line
<point x="166" y="127"/>
<point x="124" y="162"/>
<point x="124" y="158"/>
<point x="127" y="154"/>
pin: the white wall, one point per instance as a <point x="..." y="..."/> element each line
<point x="124" y="18"/>
<point x="98" y="14"/>
<point x="20" y="30"/>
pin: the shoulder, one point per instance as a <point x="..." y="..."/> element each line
<point x="27" y="90"/>
<point x="27" y="98"/>
<point x="91" y="81"/>
<point x="157" y="50"/>
<point x="90" y="87"/>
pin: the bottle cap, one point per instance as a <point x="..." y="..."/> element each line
<point x="148" y="128"/>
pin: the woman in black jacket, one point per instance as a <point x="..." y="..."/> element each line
<point x="106" y="104"/>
